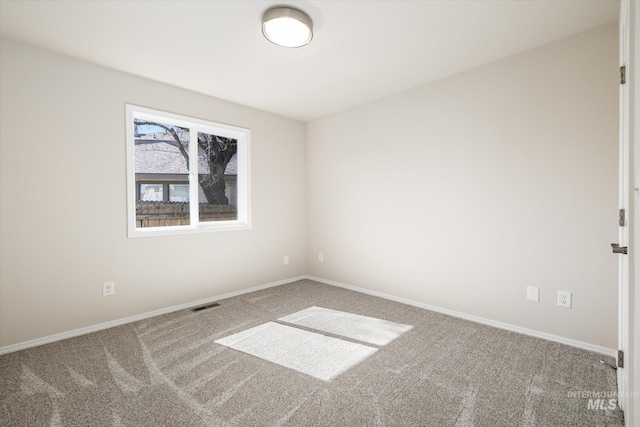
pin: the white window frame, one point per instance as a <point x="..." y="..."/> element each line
<point x="242" y="135"/>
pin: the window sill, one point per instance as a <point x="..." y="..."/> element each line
<point x="188" y="229"/>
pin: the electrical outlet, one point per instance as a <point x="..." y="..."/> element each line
<point x="533" y="293"/>
<point x="320" y="257"/>
<point x="108" y="289"/>
<point x="564" y="299"/>
<point x="286" y="260"/>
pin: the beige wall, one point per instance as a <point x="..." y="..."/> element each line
<point x="461" y="192"/>
<point x="458" y="193"/>
<point x="63" y="197"/>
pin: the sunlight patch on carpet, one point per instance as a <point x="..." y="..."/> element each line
<point x="313" y="354"/>
<point x="361" y="328"/>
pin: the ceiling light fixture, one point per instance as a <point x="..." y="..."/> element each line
<point x="287" y="27"/>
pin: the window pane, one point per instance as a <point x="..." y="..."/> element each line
<point x="161" y="154"/>
<point x="185" y="175"/>
<point x="217" y="178"/>
<point x="178" y="192"/>
<point x="151" y="192"/>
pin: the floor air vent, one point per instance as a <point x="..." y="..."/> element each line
<point x="204" y="307"/>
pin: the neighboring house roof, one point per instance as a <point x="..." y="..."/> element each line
<point x="157" y="153"/>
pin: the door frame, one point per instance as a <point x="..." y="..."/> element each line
<point x="624" y="339"/>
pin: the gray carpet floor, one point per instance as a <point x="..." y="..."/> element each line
<point x="168" y="371"/>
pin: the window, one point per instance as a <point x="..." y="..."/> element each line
<point x="185" y="175"/>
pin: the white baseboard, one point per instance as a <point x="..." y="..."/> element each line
<point x="574" y="343"/>
<point x="57" y="337"/>
<point x="135" y="318"/>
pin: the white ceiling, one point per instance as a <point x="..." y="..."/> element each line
<point x="362" y="50"/>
